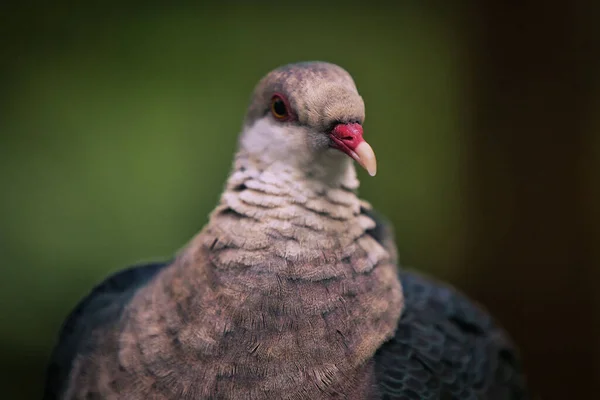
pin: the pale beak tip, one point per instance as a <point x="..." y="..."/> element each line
<point x="366" y="158"/>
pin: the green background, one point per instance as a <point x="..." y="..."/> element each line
<point x="118" y="130"/>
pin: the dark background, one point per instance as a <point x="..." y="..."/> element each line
<point x="118" y="124"/>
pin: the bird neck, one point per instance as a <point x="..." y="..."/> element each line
<point x="304" y="225"/>
<point x="283" y="294"/>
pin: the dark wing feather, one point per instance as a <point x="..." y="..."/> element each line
<point x="445" y="346"/>
<point x="102" y="306"/>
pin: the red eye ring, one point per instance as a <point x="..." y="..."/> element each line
<point x="280" y="107"/>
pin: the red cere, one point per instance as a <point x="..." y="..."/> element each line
<point x="348" y="135"/>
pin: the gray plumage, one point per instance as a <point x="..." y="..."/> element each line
<point x="291" y="291"/>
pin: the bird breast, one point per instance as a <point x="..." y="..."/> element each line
<point x="282" y="295"/>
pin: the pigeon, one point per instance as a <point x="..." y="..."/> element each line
<point x="293" y="288"/>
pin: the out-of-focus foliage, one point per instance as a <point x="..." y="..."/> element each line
<point x="118" y="132"/>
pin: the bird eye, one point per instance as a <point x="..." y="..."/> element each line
<point x="279" y="108"/>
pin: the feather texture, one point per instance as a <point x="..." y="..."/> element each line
<point x="445" y="347"/>
<point x="101" y="307"/>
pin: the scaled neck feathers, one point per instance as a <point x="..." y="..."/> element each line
<point x="283" y="294"/>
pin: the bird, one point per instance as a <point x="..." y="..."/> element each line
<point x="293" y="289"/>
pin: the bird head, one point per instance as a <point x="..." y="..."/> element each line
<point x="308" y="115"/>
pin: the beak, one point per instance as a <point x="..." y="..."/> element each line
<point x="348" y="138"/>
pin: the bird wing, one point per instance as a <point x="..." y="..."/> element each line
<point x="445" y="346"/>
<point x="101" y="307"/>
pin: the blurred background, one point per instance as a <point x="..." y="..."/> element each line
<point x="118" y="126"/>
